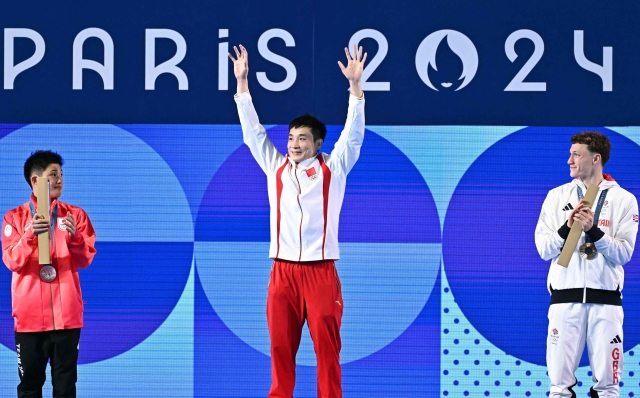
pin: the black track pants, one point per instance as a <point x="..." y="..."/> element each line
<point x="35" y="350"/>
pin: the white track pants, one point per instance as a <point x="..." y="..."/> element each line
<point x="570" y="325"/>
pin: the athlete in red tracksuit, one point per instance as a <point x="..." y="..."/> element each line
<point x="306" y="190"/>
<point x="48" y="315"/>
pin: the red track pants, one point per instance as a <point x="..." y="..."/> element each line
<point x="299" y="291"/>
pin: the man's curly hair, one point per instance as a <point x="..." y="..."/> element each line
<point x="596" y="142"/>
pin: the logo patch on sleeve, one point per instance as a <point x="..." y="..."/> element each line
<point x="8" y="230"/>
<point x="554" y="336"/>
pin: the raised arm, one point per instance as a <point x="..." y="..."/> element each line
<point x="347" y="150"/>
<point x="253" y="133"/>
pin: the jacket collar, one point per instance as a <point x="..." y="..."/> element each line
<point x="305" y="164"/>
<point x="34" y="200"/>
<point x="607" y="183"/>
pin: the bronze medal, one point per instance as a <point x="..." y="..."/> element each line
<point x="588" y="251"/>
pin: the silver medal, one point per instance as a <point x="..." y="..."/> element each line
<point x="48" y="273"/>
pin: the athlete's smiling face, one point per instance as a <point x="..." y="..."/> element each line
<point x="301" y="145"/>
<point x="54" y="173"/>
<point x="582" y="163"/>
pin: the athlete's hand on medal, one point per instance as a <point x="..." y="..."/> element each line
<point x="353" y="70"/>
<point x="581" y="214"/>
<point x="39" y="225"/>
<point x="70" y="223"/>
<point x="241" y="67"/>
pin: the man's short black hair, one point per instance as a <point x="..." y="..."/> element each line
<point x="38" y="162"/>
<point x="596" y="142"/>
<point x="318" y="129"/>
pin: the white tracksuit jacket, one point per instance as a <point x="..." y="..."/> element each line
<point x="305" y="198"/>
<point x="619" y="222"/>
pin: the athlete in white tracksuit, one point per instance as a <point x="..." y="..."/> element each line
<point x="306" y="190"/>
<point x="586" y="300"/>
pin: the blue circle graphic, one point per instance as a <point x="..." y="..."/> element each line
<point x="490" y="258"/>
<point x="143" y="226"/>
<point x="389" y="242"/>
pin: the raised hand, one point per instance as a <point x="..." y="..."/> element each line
<point x="582" y="215"/>
<point x="241" y="67"/>
<point x="353" y="70"/>
<point x="70" y="222"/>
<point x="584" y="218"/>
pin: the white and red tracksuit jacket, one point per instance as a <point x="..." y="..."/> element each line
<point x="614" y="237"/>
<point x="40" y="306"/>
<point x="305" y="198"/>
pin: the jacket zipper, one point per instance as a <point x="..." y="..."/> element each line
<point x="584" y="292"/>
<point x="301" y="212"/>
<point x="53" y="319"/>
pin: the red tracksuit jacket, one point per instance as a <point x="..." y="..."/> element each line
<point x="40" y="306"/>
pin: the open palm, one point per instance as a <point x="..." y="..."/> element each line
<point x="240" y="63"/>
<point x="355" y="65"/>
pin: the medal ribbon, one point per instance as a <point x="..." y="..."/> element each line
<point x="596" y="216"/>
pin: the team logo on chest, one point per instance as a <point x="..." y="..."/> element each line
<point x="604" y="212"/>
<point x="61" y="224"/>
<point x="311" y="173"/>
